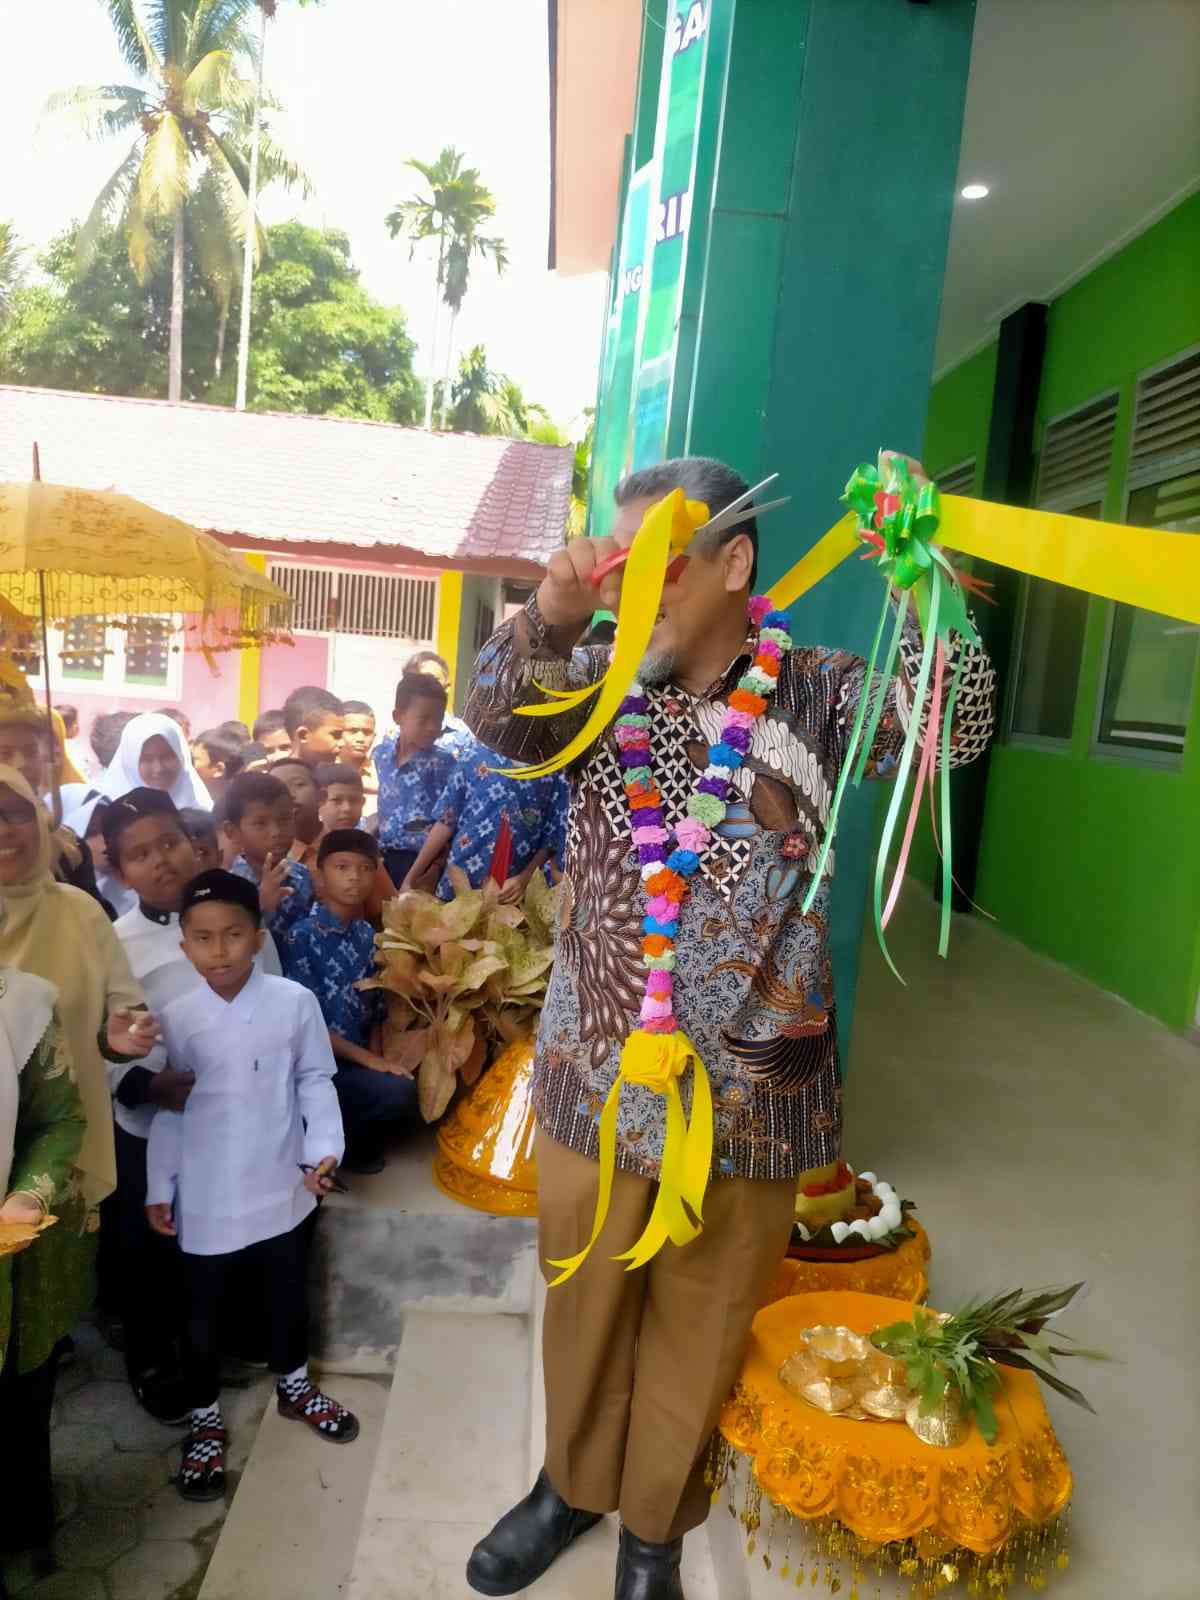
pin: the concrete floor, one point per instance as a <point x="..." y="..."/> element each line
<point x="1050" y="1133"/>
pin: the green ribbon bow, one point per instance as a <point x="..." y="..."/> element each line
<point x="898" y="519"/>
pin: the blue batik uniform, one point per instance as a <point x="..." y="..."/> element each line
<point x="290" y="909"/>
<point x="475" y="799"/>
<point x="329" y="956"/>
<point x="455" y="738"/>
<point x="409" y="793"/>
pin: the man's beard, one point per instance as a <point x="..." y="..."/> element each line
<point x="656" y="667"/>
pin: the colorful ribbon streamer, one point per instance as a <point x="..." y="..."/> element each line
<point x="657" y="1061"/>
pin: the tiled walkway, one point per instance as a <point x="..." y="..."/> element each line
<point x="124" y="1533"/>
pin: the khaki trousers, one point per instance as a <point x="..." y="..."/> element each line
<point x="638" y="1364"/>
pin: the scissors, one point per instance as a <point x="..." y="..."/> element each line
<point x="724" y="519"/>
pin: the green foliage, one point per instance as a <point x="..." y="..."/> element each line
<point x="962" y="1350"/>
<point x="11" y="266"/>
<point x="322" y="345"/>
<point x="485" y="401"/>
<point x="96" y="328"/>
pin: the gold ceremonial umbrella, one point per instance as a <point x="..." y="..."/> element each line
<point x="68" y="552"/>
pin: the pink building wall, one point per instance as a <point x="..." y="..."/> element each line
<point x="286" y="667"/>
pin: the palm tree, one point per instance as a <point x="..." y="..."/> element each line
<point x="491" y="402"/>
<point x="11" y="266"/>
<point x="189" y="120"/>
<point x="266" y="10"/>
<point x="455" y="210"/>
<point x="462" y="246"/>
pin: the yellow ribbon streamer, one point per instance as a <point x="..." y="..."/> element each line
<point x="657" y="1061"/>
<point x="1147" y="567"/>
<point x="666" y="528"/>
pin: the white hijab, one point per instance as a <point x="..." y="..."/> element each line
<point x="26" y="1006"/>
<point x="121" y="775"/>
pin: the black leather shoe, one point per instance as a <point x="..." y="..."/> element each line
<point x="648" y="1571"/>
<point x="526" y="1541"/>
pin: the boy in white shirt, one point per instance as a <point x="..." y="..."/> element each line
<point x="235" y="1175"/>
<point x="149" y="849"/>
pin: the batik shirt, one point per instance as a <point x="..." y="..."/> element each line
<point x="290" y="909"/>
<point x="473" y="803"/>
<point x="753" y="980"/>
<point x="408" y="793"/>
<point x="329" y="956"/>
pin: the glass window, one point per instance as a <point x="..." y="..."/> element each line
<point x="1050" y="653"/>
<point x="83" y="651"/>
<point x="148" y="651"/>
<point x="1151" y="658"/>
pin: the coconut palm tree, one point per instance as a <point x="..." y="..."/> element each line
<point x="454" y="212"/>
<point x="189" y="119"/>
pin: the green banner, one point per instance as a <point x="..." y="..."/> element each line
<point x="638" y="363"/>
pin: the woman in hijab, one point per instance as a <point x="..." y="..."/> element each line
<point x="41" y="1131"/>
<point x="152" y="754"/>
<point x="62" y="935"/>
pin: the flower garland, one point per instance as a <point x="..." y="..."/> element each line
<point x="657" y="1053"/>
<point x="665" y="875"/>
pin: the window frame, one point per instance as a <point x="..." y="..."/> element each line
<point x="1161" y="471"/>
<point x="112" y="680"/>
<point x="1083" y="494"/>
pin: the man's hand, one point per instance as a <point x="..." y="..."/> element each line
<point x="318" y="1181"/>
<point x="170" y="1088"/>
<point x="273" y="889"/>
<point x="131" y="1033"/>
<point x="567" y="595"/>
<point x="21" y="1208"/>
<point x="160" y="1219"/>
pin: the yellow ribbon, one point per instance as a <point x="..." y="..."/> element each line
<point x="1159" y="571"/>
<point x="657" y="1061"/>
<point x="666" y="529"/>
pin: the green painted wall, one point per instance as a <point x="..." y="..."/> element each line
<point x="1094" y="860"/>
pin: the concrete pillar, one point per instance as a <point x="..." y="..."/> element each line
<point x="820" y="213"/>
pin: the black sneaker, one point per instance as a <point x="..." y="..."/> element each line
<point x="163" y="1395"/>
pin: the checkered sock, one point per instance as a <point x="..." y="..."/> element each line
<point x="207" y="1416"/>
<point x="293" y="1384"/>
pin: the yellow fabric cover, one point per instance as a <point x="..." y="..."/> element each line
<point x="898" y="1273"/>
<point x="878" y="1478"/>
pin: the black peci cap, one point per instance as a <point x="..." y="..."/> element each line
<point x="129" y="808"/>
<point x="218" y="887"/>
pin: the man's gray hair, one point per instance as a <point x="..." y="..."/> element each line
<point x="701" y="478"/>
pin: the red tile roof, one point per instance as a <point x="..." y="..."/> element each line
<point x="450" y="498"/>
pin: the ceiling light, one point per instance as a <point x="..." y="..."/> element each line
<point x="975" y="191"/>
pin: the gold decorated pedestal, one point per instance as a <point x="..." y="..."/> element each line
<point x="899" y="1274"/>
<point x="485" y="1146"/>
<point x="847" y="1500"/>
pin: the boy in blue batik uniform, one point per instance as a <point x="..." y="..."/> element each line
<point x="469" y="813"/>
<point x="412" y="772"/>
<point x="260" y="822"/>
<point x="329" y="951"/>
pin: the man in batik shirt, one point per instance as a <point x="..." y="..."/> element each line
<point x="638" y="1363"/>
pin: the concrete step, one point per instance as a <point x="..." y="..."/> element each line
<point x="453" y="1454"/>
<point x="294" y="1523"/>
<point x="396" y="1244"/>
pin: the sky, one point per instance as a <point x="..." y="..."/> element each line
<point x="367" y="84"/>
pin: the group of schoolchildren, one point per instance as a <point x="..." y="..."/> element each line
<point x="250" y="926"/>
